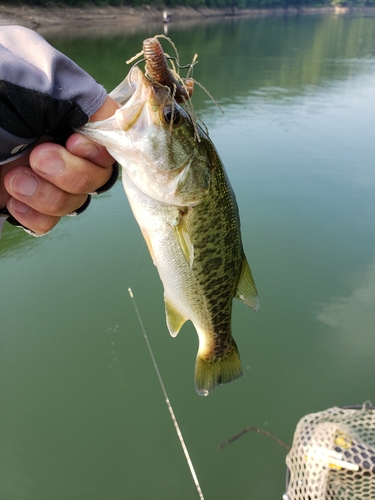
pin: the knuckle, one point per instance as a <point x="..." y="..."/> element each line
<point x="56" y="203"/>
<point x="80" y="184"/>
<point x="46" y="223"/>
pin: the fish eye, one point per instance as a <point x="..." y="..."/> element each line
<point x="171" y="115"/>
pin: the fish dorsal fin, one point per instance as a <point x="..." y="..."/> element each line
<point x="246" y="290"/>
<point x="174" y="318"/>
<point x="183" y="237"/>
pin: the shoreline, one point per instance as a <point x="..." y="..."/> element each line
<point x="64" y="20"/>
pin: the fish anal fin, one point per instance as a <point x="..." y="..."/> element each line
<point x="246" y="290"/>
<point x="182" y="234"/>
<point x="174" y="319"/>
<point x="210" y="373"/>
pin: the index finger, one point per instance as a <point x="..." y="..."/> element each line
<point x="82" y="146"/>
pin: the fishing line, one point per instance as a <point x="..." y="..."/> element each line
<point x="171" y="412"/>
<point x="137" y="262"/>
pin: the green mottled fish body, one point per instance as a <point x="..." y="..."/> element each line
<point x="185" y="207"/>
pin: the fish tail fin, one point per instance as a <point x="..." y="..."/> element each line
<point x="209" y="373"/>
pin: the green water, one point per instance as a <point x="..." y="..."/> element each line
<point x="82" y="416"/>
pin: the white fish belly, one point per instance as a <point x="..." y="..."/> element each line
<point x="156" y="222"/>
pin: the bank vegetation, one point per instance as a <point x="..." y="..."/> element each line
<point x="235" y="4"/>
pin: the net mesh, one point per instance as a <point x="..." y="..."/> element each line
<point x="333" y="456"/>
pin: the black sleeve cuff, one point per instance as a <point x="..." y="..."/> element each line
<point x="111" y="181"/>
<point x="15" y="222"/>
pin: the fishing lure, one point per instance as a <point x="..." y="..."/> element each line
<point x="158" y="71"/>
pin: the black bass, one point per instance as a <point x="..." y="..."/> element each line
<point x="183" y="202"/>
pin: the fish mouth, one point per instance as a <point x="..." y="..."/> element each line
<point x="132" y="95"/>
<point x="130" y="86"/>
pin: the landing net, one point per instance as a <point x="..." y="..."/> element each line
<point x="333" y="456"/>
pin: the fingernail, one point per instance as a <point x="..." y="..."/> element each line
<point x="84" y="150"/>
<point x="23" y="184"/>
<point x="18" y="206"/>
<point x="48" y="163"/>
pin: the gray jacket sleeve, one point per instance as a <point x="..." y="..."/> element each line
<point x="42" y="92"/>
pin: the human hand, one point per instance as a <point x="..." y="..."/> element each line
<point x="53" y="181"/>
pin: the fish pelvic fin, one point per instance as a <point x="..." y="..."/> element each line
<point x="210" y="373"/>
<point x="246" y="290"/>
<point x="174" y="319"/>
<point x="182" y="235"/>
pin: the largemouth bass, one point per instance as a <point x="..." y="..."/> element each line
<point x="185" y="207"/>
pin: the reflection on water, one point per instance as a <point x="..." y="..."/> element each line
<point x="81" y="413"/>
<point x="352" y="319"/>
<point x="237" y="57"/>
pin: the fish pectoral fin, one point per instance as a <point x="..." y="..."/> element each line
<point x="149" y="244"/>
<point x="246" y="290"/>
<point x="183" y="237"/>
<point x="174" y="319"/>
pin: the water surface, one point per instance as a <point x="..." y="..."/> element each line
<point x="82" y="416"/>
